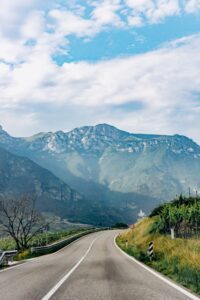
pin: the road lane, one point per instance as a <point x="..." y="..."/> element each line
<point x="92" y="268"/>
<point x="33" y="280"/>
<point x="107" y="274"/>
<point x="60" y="283"/>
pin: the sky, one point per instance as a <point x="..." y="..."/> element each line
<point x="134" y="64"/>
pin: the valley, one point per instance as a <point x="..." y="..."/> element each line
<point x="112" y="174"/>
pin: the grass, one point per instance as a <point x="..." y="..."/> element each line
<point x="7" y="244"/>
<point x="179" y="259"/>
<point x="41" y="239"/>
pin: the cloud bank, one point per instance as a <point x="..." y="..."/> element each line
<point x="156" y="92"/>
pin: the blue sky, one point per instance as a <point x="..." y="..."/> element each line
<point x="132" y="63"/>
<point x="121" y="42"/>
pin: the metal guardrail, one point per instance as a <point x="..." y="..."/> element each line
<point x="6" y="256"/>
<point x="60" y="244"/>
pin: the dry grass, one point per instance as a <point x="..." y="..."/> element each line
<point x="179" y="258"/>
<point x="187" y="250"/>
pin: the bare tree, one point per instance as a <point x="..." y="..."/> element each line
<point x="20" y="219"/>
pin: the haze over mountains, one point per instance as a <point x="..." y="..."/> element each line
<point x="115" y="173"/>
<point x="20" y="175"/>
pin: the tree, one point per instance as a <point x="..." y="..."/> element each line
<point x="20" y="219"/>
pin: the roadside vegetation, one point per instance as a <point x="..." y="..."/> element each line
<point x="22" y="227"/>
<point x="41" y="239"/>
<point x="177" y="258"/>
<point x="182" y="215"/>
<point x="20" y="219"/>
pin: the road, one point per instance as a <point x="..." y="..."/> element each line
<point x="92" y="268"/>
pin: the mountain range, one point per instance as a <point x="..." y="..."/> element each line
<point x="114" y="174"/>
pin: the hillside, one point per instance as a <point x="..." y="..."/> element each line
<point x="113" y="167"/>
<point x="20" y="175"/>
<point x="177" y="258"/>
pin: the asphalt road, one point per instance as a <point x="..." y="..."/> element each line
<point x="92" y="268"/>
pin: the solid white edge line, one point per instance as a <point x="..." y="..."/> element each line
<point x="180" y="289"/>
<point x="58" y="285"/>
<point x="30" y="260"/>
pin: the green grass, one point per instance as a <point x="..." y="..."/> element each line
<point x="178" y="259"/>
<point x="39" y="240"/>
<point x="7" y="244"/>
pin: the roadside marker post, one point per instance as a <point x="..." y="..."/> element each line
<point x="151" y="250"/>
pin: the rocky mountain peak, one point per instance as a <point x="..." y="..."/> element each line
<point x="5" y="137"/>
<point x="2" y="131"/>
<point x="97" y="131"/>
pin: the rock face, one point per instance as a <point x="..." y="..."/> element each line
<point x="114" y="168"/>
<point x="19" y="175"/>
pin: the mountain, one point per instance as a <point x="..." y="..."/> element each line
<point x="21" y="176"/>
<point x="114" y="168"/>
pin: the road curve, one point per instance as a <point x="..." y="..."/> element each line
<point x="92" y="268"/>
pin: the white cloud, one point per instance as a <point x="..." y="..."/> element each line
<point x="151" y="11"/>
<point x="19" y="122"/>
<point x="166" y="82"/>
<point x="67" y="23"/>
<point x="135" y="20"/>
<point x="34" y="25"/>
<point x="192" y="6"/>
<point x="13" y="13"/>
<point x="26" y="28"/>
<point x="105" y="13"/>
<point x="25" y="24"/>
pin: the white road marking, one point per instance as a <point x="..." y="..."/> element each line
<point x="180" y="289"/>
<point x="58" y="285"/>
<point x="30" y="260"/>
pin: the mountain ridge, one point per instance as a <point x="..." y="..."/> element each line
<point x="21" y="176"/>
<point x="103" y="127"/>
<point x="100" y="161"/>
